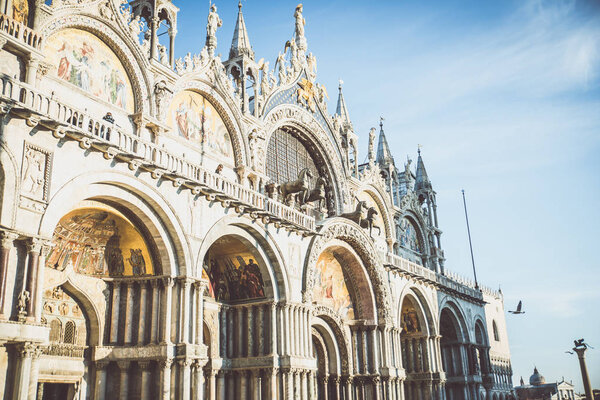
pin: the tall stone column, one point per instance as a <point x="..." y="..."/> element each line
<point x="114" y="312"/>
<point x="25" y="353"/>
<point x="145" y="392"/>
<point x="141" y="333"/>
<point x="260" y="345"/>
<point x="184" y="316"/>
<point x="33" y="377"/>
<point x="155" y="323"/>
<point x="256" y="384"/>
<point x="128" y="317"/>
<point x="167" y="298"/>
<point x="34" y="248"/>
<point x="272" y="384"/>
<point x="198" y="392"/>
<point x="200" y="287"/>
<point x="223" y="331"/>
<point x="154" y="37"/>
<point x="221" y="384"/>
<point x="185" y="384"/>
<point x="7" y="240"/>
<point x="212" y="385"/>
<point x="100" y="380"/>
<point x="165" y="378"/>
<point x="250" y="331"/>
<point x="123" y="379"/>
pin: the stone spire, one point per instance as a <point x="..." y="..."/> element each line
<point x="240" y="45"/>
<point x="341" y="109"/>
<point x="384" y="155"/>
<point x="422" y="180"/>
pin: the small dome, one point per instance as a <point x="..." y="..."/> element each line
<point x="536" y="379"/>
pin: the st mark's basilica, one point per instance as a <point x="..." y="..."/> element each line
<point x="201" y="228"/>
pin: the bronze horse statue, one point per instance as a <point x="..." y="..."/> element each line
<point x="318" y="193"/>
<point x="300" y="186"/>
<point x="364" y="216"/>
<point x="369" y="221"/>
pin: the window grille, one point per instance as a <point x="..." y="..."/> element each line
<point x="286" y="157"/>
<point x="69" y="332"/>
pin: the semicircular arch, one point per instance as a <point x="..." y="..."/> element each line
<point x="347" y="231"/>
<point x="226" y="109"/>
<point x="458" y="316"/>
<point x="121" y="190"/>
<point x="383" y="206"/>
<point x="424" y="305"/>
<point x="255" y="238"/>
<point x="122" y="45"/>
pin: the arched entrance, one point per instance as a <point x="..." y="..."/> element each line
<point x="416" y="341"/>
<point x="241" y="293"/>
<point x="454" y="351"/>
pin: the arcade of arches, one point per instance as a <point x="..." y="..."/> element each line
<point x="202" y="229"/>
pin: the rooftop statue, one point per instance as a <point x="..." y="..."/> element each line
<point x="300" y="22"/>
<point x="212" y="24"/>
<point x="372" y="145"/>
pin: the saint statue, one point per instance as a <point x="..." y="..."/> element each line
<point x="372" y="145"/>
<point x="213" y="23"/>
<point x="300" y="22"/>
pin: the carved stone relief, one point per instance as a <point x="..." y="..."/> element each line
<point x="35" y="177"/>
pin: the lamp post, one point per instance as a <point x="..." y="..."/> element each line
<point x="580" y="348"/>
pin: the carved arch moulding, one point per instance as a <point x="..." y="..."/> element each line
<point x="347" y="231"/>
<point x="294" y="116"/>
<point x="130" y="61"/>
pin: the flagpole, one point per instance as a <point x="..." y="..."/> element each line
<point x="470" y="243"/>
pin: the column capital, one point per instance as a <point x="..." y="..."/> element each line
<point x="124" y="365"/>
<point x="144" y="365"/>
<point x="185" y="362"/>
<point x="7" y="239"/>
<point x="142" y="283"/>
<point x="28" y="350"/>
<point x="101" y="364"/>
<point x="154" y="283"/>
<point x="165" y="363"/>
<point x="34" y="245"/>
<point x="167" y="281"/>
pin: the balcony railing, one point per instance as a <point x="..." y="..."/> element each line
<point x="63" y="119"/>
<point x="420" y="272"/>
<point x="21" y="32"/>
<point x="64" y="350"/>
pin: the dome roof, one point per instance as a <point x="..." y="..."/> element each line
<point x="536" y="379"/>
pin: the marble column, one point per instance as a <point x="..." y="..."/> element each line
<point x="325" y="387"/>
<point x="34" y="248"/>
<point x="100" y="380"/>
<point x="186" y="378"/>
<point x="165" y="378"/>
<point x="223" y="332"/>
<point x="260" y="345"/>
<point x="145" y="390"/>
<point x="184" y="310"/>
<point x="114" y="312"/>
<point x="250" y="331"/>
<point x="7" y="240"/>
<point x="141" y="333"/>
<point x="256" y="384"/>
<point x="198" y="392"/>
<point x="230" y="333"/>
<point x="33" y="377"/>
<point x="212" y="385"/>
<point x="123" y="379"/>
<point x="272" y="384"/>
<point x="166" y="310"/>
<point x="200" y="312"/>
<point x="273" y="331"/>
<point x="128" y="317"/>
<point x="221" y="385"/>
<point x="155" y="323"/>
<point x="22" y="375"/>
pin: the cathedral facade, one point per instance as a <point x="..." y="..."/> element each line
<point x="201" y="228"/>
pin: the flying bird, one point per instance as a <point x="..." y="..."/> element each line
<point x="518" y="310"/>
<point x="570" y="352"/>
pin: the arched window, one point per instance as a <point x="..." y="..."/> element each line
<point x="69" y="332"/>
<point x="286" y="157"/>
<point x="495" y="329"/>
<point x="55" y="330"/>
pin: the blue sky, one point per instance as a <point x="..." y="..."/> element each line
<point x="504" y="97"/>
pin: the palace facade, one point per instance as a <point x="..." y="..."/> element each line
<point x="202" y="227"/>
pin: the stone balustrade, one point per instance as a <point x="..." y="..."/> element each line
<point x="64" y="120"/>
<point x="420" y="272"/>
<point x="20" y="32"/>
